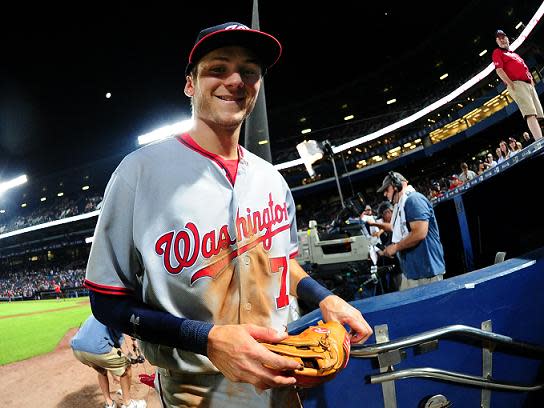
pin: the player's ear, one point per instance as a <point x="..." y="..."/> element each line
<point x="189" y="89"/>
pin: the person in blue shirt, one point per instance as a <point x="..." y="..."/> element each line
<point x="99" y="347"/>
<point x="416" y="238"/>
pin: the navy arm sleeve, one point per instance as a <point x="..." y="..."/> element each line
<point x="137" y="319"/>
<point x="311" y="292"/>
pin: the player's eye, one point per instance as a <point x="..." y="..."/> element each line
<point x="251" y="71"/>
<point x="217" y="69"/>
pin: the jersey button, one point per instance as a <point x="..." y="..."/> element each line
<point x="246" y="260"/>
<point x="247" y="306"/>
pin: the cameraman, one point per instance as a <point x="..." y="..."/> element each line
<point x="415" y="236"/>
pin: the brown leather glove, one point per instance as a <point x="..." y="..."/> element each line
<point x="322" y="350"/>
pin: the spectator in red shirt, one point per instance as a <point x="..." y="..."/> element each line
<point x="58" y="290"/>
<point x="514" y="73"/>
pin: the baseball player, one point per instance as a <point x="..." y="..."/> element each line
<point x="195" y="244"/>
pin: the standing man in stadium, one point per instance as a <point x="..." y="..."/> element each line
<point x="99" y="347"/>
<point x="195" y="244"/>
<point x="58" y="290"/>
<point x="415" y="239"/>
<point x="512" y="70"/>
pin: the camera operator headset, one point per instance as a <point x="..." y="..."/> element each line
<point x="396" y="182"/>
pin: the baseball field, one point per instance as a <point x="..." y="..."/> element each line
<point x="37" y="365"/>
<point x="36" y="327"/>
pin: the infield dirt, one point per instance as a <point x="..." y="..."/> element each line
<point x="58" y="380"/>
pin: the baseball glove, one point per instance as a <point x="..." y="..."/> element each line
<point x="322" y="350"/>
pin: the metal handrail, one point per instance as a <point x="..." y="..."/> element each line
<point x="450" y="376"/>
<point x="498" y="341"/>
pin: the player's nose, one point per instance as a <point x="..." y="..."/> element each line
<point x="234" y="79"/>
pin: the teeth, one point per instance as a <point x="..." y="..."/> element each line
<point x="227" y="98"/>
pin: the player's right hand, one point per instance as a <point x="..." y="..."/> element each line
<point x="235" y="351"/>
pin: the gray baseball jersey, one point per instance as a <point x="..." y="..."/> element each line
<point x="177" y="231"/>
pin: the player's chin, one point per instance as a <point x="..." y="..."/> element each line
<point x="232" y="121"/>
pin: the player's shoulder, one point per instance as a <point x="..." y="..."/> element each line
<point x="264" y="167"/>
<point x="256" y="161"/>
<point x="151" y="152"/>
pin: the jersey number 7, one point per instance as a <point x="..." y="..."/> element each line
<point x="279" y="265"/>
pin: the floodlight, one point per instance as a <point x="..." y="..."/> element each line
<point x="7" y="185"/>
<point x="165" y="131"/>
<point x="310" y="152"/>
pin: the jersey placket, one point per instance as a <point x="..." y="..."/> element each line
<point x="243" y="261"/>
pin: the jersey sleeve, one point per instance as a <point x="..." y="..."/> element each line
<point x="113" y="264"/>
<point x="497" y="59"/>
<point x="417" y="208"/>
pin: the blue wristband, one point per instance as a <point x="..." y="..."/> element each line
<point x="311" y="291"/>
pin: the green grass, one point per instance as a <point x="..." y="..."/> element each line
<point x="22" y="337"/>
<point x="32" y="306"/>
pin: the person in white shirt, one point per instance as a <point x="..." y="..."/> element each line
<point x="466" y="173"/>
<point x="489" y="161"/>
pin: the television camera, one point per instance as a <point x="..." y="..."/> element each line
<point x="343" y="254"/>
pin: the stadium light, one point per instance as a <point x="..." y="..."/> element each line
<point x="310" y="152"/>
<point x="17" y="181"/>
<point x="165" y="131"/>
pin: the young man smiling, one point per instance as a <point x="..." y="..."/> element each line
<point x="194" y="248"/>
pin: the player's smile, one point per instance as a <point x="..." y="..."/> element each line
<point x="227" y="98"/>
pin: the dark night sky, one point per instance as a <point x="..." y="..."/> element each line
<point x="58" y="62"/>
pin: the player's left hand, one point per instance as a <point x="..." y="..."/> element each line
<point x="336" y="308"/>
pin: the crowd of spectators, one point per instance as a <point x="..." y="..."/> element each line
<point x="61" y="207"/>
<point x="29" y="283"/>
<point x="483" y="161"/>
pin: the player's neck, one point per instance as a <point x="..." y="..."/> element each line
<point x="223" y="142"/>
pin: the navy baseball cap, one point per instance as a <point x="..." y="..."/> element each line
<point x="265" y="46"/>
<point x="500" y="33"/>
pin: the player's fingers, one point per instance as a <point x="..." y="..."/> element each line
<point x="265" y="334"/>
<point x="274" y="378"/>
<point x="282" y="381"/>
<point x="276" y="362"/>
<point x="360" y="330"/>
